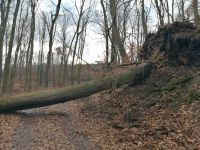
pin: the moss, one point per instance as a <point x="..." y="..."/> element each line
<point x="181" y="80"/>
<point x="193" y="96"/>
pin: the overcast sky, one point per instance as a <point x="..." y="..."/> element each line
<point x="94" y="46"/>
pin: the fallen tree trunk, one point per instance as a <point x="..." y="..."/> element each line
<point x="39" y="99"/>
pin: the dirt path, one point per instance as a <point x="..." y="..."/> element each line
<point x="47" y="128"/>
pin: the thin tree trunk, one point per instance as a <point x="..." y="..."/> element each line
<point x="8" y="57"/>
<point x="161" y="21"/>
<point x="77" y="34"/>
<point x="27" y="60"/>
<point x="53" y="69"/>
<point x="144" y="24"/>
<point x="117" y="39"/>
<point x="182" y="10"/>
<point x="106" y="30"/>
<point x="173" y="10"/>
<point x="4" y="20"/>
<point x="196" y="13"/>
<point x="51" y="43"/>
<point x="33" y="5"/>
<point x="19" y="42"/>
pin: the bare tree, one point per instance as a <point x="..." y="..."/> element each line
<point x="116" y="39"/>
<point x="76" y="37"/>
<point x="62" y="51"/>
<point x="33" y="5"/>
<point x="106" y="30"/>
<point x="8" y="56"/>
<point x="196" y="13"/>
<point x="144" y="24"/>
<point x="51" y="30"/>
<point x="41" y="56"/>
<point x="160" y="12"/>
<point x="4" y="19"/>
<point x="21" y="26"/>
<point x="183" y="9"/>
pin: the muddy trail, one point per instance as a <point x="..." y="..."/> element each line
<point x="53" y="127"/>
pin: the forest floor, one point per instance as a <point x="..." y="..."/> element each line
<point x="162" y="114"/>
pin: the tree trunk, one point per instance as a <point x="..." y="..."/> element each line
<point x="172" y="10"/>
<point x="33" y="5"/>
<point x="115" y="32"/>
<point x="77" y="34"/>
<point x="159" y="11"/>
<point x="19" y="43"/>
<point x="106" y="30"/>
<point x="4" y="20"/>
<point x="133" y="76"/>
<point x="53" y="21"/>
<point x="195" y="10"/>
<point x="182" y="10"/>
<point x="8" y="57"/>
<point x="144" y="24"/>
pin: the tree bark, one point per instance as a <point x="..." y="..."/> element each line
<point x="195" y="11"/>
<point x="116" y="39"/>
<point x="8" y="56"/>
<point x="106" y="30"/>
<point x="159" y="11"/>
<point x="133" y="76"/>
<point x="53" y="21"/>
<point x="32" y="36"/>
<point x="19" y="43"/>
<point x="4" y="20"/>
<point x="144" y="24"/>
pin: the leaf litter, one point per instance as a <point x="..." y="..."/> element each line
<point x="126" y="118"/>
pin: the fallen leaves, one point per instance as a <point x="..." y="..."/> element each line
<point x="108" y="120"/>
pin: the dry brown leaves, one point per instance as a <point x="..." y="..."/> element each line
<point x="113" y="120"/>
